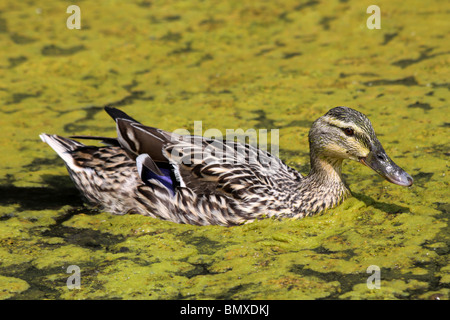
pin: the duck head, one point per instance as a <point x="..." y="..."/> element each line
<point x="344" y="133"/>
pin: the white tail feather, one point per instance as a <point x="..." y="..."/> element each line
<point x="62" y="149"/>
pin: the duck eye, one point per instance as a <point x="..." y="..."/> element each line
<point x="349" y="131"/>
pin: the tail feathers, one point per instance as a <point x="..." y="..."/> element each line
<point x="63" y="147"/>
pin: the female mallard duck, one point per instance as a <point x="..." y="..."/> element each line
<point x="201" y="181"/>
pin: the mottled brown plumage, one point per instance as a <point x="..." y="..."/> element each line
<point x="201" y="181"/>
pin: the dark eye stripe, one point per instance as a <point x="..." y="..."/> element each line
<point x="361" y="137"/>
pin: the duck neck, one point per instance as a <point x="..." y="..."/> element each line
<point x="324" y="187"/>
<point x="325" y="170"/>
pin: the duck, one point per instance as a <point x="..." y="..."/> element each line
<point x="198" y="180"/>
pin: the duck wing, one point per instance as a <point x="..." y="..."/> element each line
<point x="205" y="165"/>
<point x="138" y="139"/>
<point x="238" y="170"/>
<point x="221" y="187"/>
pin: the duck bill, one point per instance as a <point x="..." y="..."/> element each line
<point x="378" y="161"/>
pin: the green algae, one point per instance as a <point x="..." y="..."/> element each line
<point x="11" y="286"/>
<point x="232" y="64"/>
